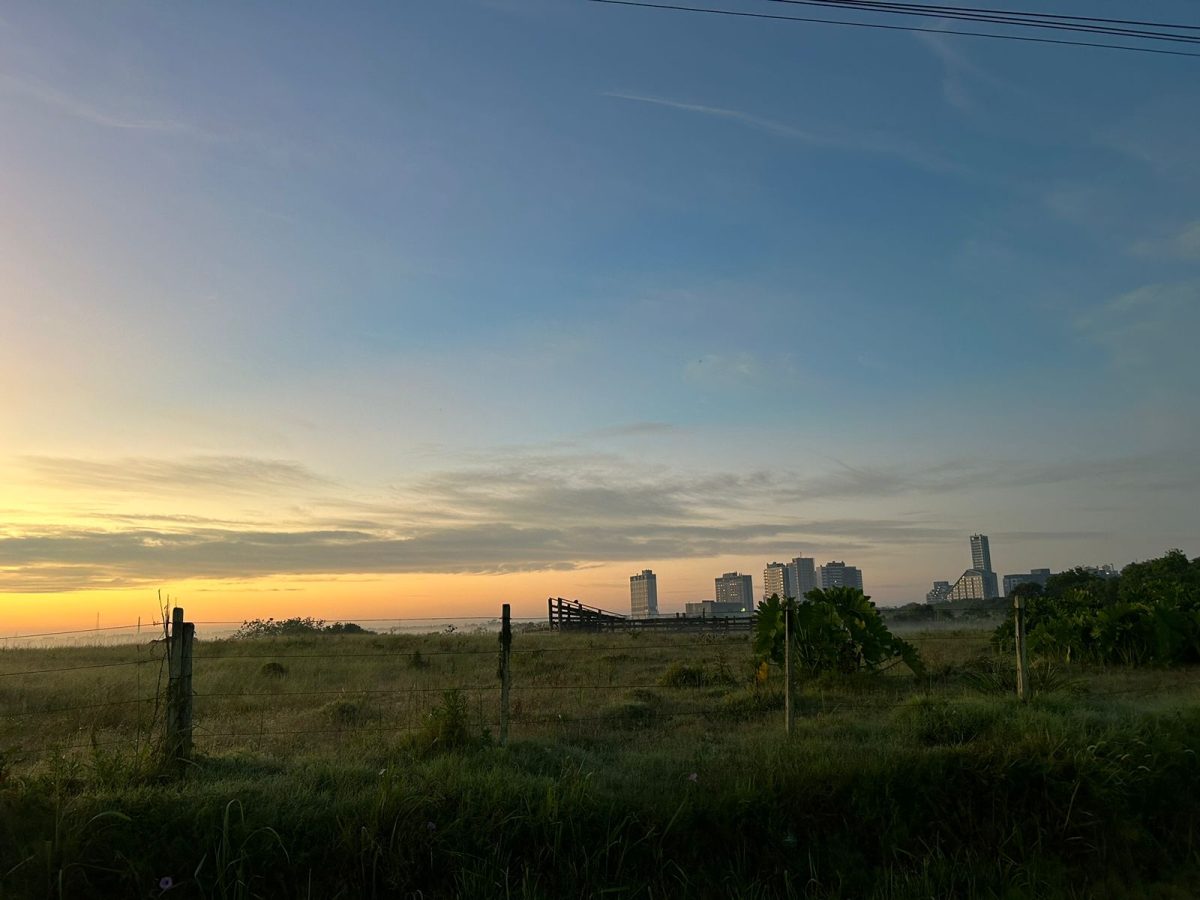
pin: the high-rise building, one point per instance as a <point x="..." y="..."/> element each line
<point x="981" y="553"/>
<point x="643" y="595"/>
<point x="978" y="582"/>
<point x="735" y="588"/>
<point x="803" y="571"/>
<point x="838" y="574"/>
<point x="777" y="581"/>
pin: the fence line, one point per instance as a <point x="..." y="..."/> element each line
<point x="116" y="665"/>
<point x="86" y="706"/>
<point x="882" y="694"/>
<point x="25" y="637"/>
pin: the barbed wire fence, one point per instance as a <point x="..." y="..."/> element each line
<point x="167" y="701"/>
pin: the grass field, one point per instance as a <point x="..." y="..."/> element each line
<point x="637" y="766"/>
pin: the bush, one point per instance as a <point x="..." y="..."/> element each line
<point x="273" y="670"/>
<point x="447" y="726"/>
<point x="295" y="627"/>
<point x="838" y="629"/>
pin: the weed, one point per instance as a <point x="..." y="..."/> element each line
<point x="937" y="720"/>
<point x="347" y="713"/>
<point x="688" y="675"/>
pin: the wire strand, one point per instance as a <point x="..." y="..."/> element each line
<point x="881" y="26"/>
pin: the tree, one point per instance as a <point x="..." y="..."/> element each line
<point x="836" y="629"/>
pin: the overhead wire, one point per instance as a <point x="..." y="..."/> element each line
<point x="966" y="14"/>
<point x="747" y="14"/>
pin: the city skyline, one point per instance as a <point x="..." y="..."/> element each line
<point x="416" y="309"/>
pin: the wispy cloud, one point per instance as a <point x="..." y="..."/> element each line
<point x="875" y="144"/>
<point x="881" y="481"/>
<point x="1182" y="244"/>
<point x="632" y="430"/>
<point x="554" y="512"/>
<point x="229" y="474"/>
<point x="1150" y="330"/>
<point x="96" y="114"/>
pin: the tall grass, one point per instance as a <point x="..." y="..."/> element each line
<point x="632" y="773"/>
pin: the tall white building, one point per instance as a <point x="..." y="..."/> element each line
<point x="777" y="581"/>
<point x="838" y="574"/>
<point x="979" y="582"/>
<point x="643" y="595"/>
<point x="803" y="570"/>
<point x="981" y="553"/>
<point x="735" y="588"/>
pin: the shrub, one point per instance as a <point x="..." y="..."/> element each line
<point x="447" y="725"/>
<point x="273" y="670"/>
<point x="838" y="629"/>
<point x="418" y="661"/>
<point x="295" y="627"/>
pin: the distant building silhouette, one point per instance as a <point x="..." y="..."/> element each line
<point x="1035" y="576"/>
<point x="735" y="588"/>
<point x="643" y="595"/>
<point x="803" y="570"/>
<point x="940" y="593"/>
<point x="777" y="581"/>
<point x="978" y="582"/>
<point x="981" y="553"/>
<point x="838" y="574"/>
<point x="710" y="609"/>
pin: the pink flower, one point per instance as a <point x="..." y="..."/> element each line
<point x="694" y="777"/>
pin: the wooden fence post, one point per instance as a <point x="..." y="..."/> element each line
<point x="179" y="691"/>
<point x="789" y="711"/>
<point x="1024" y="688"/>
<point x="505" y="669"/>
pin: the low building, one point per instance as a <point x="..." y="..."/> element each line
<point x="712" y="609"/>
<point x="940" y="593"/>
<point x="975" y="584"/>
<point x="1034" y="576"/>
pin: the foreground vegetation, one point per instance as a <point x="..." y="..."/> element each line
<point x="648" y="766"/>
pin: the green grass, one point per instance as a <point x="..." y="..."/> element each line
<point x="647" y="766"/>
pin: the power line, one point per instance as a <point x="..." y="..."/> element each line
<point x="880" y="26"/>
<point x="887" y="4"/>
<point x="1013" y="21"/>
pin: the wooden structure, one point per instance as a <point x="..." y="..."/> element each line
<point x="571" y="615"/>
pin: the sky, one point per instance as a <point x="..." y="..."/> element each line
<point x="415" y="309"/>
